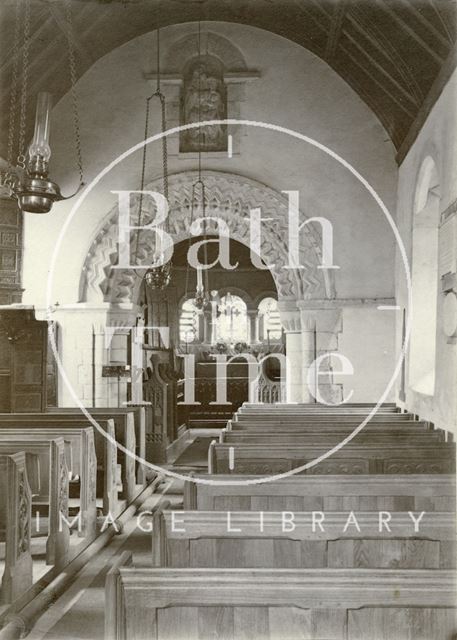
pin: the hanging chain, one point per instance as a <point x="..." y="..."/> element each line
<point x="25" y="77"/>
<point x="160" y="95"/>
<point x="74" y="96"/>
<point x="200" y="143"/>
<point x="164" y="152"/>
<point x="143" y="172"/>
<point x="199" y="103"/>
<point x="157" y="94"/>
<point x="14" y="86"/>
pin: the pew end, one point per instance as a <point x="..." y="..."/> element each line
<point x="114" y="618"/>
<point x="15" y="522"/>
<point x="190" y="493"/>
<point x="212" y="457"/>
<point x="159" y="535"/>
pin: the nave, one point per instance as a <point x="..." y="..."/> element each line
<point x="329" y="553"/>
<point x="228" y="319"/>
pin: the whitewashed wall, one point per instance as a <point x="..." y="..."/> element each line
<point x="437" y="140"/>
<point x="295" y="89"/>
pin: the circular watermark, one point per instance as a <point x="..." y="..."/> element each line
<point x="293" y="134"/>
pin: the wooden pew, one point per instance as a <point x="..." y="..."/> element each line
<point x="315" y="408"/>
<point x="124" y="431"/>
<point x="275" y="417"/>
<point x="124" y="426"/>
<point x="50" y="487"/>
<point x="265" y="459"/>
<point x="241" y="604"/>
<point x="332" y="437"/>
<point x="323" y="493"/>
<point x="302" y="539"/>
<point x="15" y="526"/>
<point x="283" y="426"/>
<point x="83" y="460"/>
<point x="139" y="419"/>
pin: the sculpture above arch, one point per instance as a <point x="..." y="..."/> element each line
<point x="229" y="197"/>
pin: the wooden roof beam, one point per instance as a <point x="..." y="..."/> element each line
<point x="339" y="11"/>
<point x="407" y="29"/>
<point x="379" y="41"/>
<point x="411" y="5"/>
<point x="381" y="70"/>
<point x="363" y="68"/>
<point x="62" y="23"/>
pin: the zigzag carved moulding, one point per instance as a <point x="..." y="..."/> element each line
<point x="228" y="197"/>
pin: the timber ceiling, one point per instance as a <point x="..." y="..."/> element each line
<point x="391" y="52"/>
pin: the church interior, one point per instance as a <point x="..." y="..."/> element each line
<point x="228" y="319"/>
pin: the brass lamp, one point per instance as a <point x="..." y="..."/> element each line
<point x="34" y="191"/>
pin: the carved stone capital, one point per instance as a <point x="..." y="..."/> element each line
<point x="290" y="316"/>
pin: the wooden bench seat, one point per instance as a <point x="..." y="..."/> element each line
<point x="299" y="426"/>
<point x="124" y="429"/>
<point x="15" y="526"/>
<point x="139" y="420"/>
<point x="46" y="464"/>
<point x="321" y="415"/>
<point x="307" y="407"/>
<point x="323" y="493"/>
<point x="80" y="457"/>
<point x="303" y="539"/>
<point x="352" y="458"/>
<point x="242" y="604"/>
<point x="124" y="435"/>
<point x="317" y="419"/>
<point x="331" y="437"/>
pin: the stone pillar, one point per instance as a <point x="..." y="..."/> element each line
<point x="321" y="324"/>
<point x="308" y="345"/>
<point x="253" y="327"/>
<point x="290" y="318"/>
<point x="207" y="326"/>
<point x="84" y="349"/>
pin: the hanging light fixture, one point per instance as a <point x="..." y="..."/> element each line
<point x="28" y="181"/>
<point x="202" y="298"/>
<point x="202" y="292"/>
<point x="159" y="277"/>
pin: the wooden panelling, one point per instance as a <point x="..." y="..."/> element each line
<point x="402" y="624"/>
<point x="24" y="341"/>
<point x="144" y="603"/>
<point x="336" y="493"/>
<point x="10" y="252"/>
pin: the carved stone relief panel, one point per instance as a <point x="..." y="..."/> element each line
<point x="204" y="79"/>
<point x="204" y="97"/>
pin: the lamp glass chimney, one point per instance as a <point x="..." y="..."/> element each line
<point x="40" y="142"/>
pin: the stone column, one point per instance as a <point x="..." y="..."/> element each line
<point x="308" y="345"/>
<point x="253" y="326"/>
<point x="321" y="324"/>
<point x="83" y="351"/>
<point x="290" y="318"/>
<point x="207" y="326"/>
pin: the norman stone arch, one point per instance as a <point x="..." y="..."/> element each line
<point x="228" y="197"/>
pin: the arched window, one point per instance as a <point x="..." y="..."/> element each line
<point x="188" y="322"/>
<point x="270" y="327"/>
<point x="425" y="280"/>
<point x="232" y="320"/>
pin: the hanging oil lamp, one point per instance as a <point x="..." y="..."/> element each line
<point x="28" y="181"/>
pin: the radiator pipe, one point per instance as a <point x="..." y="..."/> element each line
<point x="19" y="625"/>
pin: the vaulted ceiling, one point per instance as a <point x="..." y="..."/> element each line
<point x="396" y="54"/>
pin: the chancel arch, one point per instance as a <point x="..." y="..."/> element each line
<point x="230" y="198"/>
